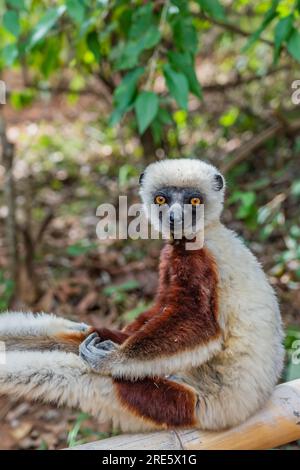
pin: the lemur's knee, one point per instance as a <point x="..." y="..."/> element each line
<point x="159" y="402"/>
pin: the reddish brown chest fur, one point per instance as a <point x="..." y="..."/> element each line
<point x="186" y="311"/>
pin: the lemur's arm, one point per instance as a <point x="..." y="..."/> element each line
<point x="27" y="331"/>
<point x="184" y="334"/>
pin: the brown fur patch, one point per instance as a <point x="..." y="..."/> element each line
<point x="165" y="403"/>
<point x="73" y="337"/>
<point x="116" y="336"/>
<point x="186" y="313"/>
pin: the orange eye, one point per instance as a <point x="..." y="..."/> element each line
<point x="160" y="200"/>
<point x="195" y="201"/>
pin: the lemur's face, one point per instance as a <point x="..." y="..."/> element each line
<point x="178" y="209"/>
<point x="182" y="196"/>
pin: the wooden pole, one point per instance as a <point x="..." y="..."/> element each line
<point x="276" y="424"/>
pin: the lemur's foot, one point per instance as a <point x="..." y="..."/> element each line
<point x="95" y="352"/>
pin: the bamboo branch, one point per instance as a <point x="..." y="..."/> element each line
<point x="276" y="424"/>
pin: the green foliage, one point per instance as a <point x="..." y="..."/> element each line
<point x="146" y="107"/>
<point x="6" y="291"/>
<point x="247" y="207"/>
<point x="81" y="248"/>
<point x="282" y="33"/>
<point x="294" y="45"/>
<point x="292" y="345"/>
<point x="119" y="292"/>
<point x="130" y="45"/>
<point x="212" y="7"/>
<point x="177" y="85"/>
<point x="131" y="315"/>
<point x="79" y="435"/>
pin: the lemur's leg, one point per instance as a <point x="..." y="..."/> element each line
<point x="27" y="331"/>
<point x="64" y="379"/>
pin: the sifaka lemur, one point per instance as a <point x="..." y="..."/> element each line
<point x="207" y="354"/>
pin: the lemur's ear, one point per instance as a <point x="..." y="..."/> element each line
<point x="218" y="182"/>
<point x="141" y="178"/>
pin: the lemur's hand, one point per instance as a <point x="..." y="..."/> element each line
<point x="97" y="354"/>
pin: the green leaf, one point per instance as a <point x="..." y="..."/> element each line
<point x="185" y="35"/>
<point x="44" y="25"/>
<point x="164" y="116"/>
<point x="293" y="45"/>
<point x="125" y="21"/>
<point x="146" y="107"/>
<point x="229" y="118"/>
<point x="184" y="63"/>
<point x="18" y="4"/>
<point x="282" y="32"/>
<point x="213" y="8"/>
<point x="124" y="94"/>
<point x="50" y="60"/>
<point x="129" y="55"/>
<point x="76" y="10"/>
<point x="150" y="38"/>
<point x="11" y="22"/>
<point x="133" y="314"/>
<point x="21" y="99"/>
<point x="125" y="287"/>
<point x="295" y="188"/>
<point x="292" y="372"/>
<point x="157" y="131"/>
<point x="9" y="54"/>
<point x="142" y="20"/>
<point x="81" y="248"/>
<point x="93" y="44"/>
<point x="177" y="85"/>
<point x="268" y="18"/>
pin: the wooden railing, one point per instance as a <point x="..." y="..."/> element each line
<point x="276" y="424"/>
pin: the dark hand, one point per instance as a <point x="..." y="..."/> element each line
<point x="97" y="353"/>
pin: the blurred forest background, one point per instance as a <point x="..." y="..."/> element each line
<point x="95" y="90"/>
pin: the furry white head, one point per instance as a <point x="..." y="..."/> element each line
<point x="183" y="174"/>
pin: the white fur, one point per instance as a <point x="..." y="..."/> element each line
<point x="64" y="379"/>
<point x="166" y="365"/>
<point x="182" y="173"/>
<point x="29" y="324"/>
<point x="237" y="380"/>
<point x="232" y="383"/>
<point x="252" y="359"/>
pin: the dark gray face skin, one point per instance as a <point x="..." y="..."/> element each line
<point x="179" y="197"/>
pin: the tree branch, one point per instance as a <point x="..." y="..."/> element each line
<point x="238" y="81"/>
<point x="233" y="28"/>
<point x="256" y="142"/>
